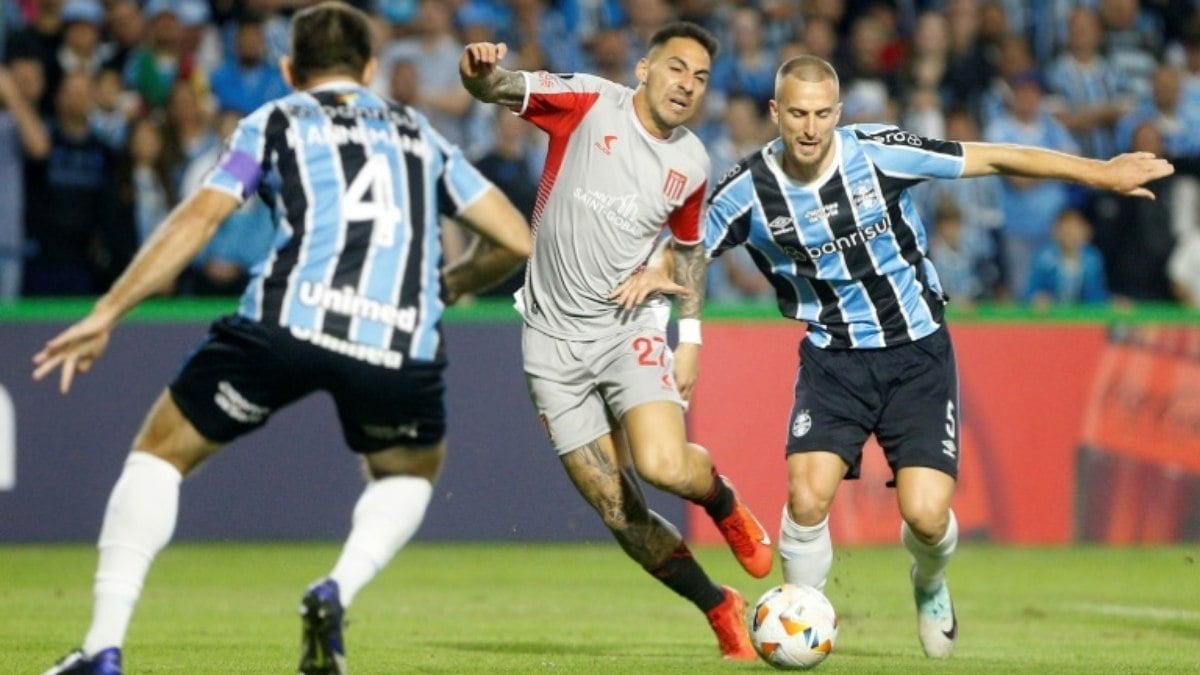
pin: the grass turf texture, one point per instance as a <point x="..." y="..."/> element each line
<point x="585" y="608"/>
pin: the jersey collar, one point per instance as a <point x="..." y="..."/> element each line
<point x="771" y="155"/>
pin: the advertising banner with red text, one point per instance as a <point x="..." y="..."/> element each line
<point x="1024" y="392"/>
<point x="1139" y="462"/>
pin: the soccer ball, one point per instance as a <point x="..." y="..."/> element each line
<point x="793" y="627"/>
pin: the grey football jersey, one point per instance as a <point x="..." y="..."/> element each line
<point x="607" y="192"/>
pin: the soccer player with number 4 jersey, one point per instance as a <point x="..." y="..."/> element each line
<point x="349" y="302"/>
<point x="621" y="167"/>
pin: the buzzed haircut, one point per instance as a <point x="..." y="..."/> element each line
<point x="330" y="38"/>
<point x="807" y="68"/>
<point x="686" y="29"/>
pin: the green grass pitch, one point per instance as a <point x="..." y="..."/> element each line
<point x="585" y="608"/>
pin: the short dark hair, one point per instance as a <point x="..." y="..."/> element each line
<point x="686" y="29"/>
<point x="330" y="38"/>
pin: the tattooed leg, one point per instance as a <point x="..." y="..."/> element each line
<point x="611" y="487"/>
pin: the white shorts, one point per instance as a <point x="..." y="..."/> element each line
<point x="581" y="389"/>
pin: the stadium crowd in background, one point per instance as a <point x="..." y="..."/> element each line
<point x="1095" y="77"/>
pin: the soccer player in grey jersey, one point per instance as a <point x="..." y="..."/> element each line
<point x="620" y="166"/>
<point x="349" y="302"/>
<point x="826" y="215"/>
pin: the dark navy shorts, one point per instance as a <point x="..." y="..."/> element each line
<point x="244" y="371"/>
<point x="906" y="395"/>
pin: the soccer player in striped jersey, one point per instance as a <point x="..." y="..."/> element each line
<point x="620" y="167"/>
<point x="826" y="214"/>
<point x="348" y="301"/>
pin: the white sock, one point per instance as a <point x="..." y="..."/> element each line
<point x="386" y="517"/>
<point x="806" y="552"/>
<point x="138" y="523"/>
<point x="931" y="561"/>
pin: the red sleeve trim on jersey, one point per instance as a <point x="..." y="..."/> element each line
<point x="558" y="113"/>
<point x="685" y="220"/>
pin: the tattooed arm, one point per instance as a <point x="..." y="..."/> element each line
<point x="690" y="265"/>
<point x="482" y="75"/>
<point x="690" y="271"/>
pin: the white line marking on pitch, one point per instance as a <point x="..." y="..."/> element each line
<point x="1138" y="612"/>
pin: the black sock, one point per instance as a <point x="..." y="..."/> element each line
<point x="681" y="573"/>
<point x="718" y="503"/>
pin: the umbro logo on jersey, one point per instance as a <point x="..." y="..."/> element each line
<point x="605" y="145"/>
<point x="780" y="224"/>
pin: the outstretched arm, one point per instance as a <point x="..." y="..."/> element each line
<point x="174" y="243"/>
<point x="482" y="75"/>
<point x="503" y="242"/>
<point x="1124" y="174"/>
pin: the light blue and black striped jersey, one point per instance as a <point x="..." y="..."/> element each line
<point x="846" y="252"/>
<point x="357" y="185"/>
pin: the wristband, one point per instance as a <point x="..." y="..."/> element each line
<point x="689" y="331"/>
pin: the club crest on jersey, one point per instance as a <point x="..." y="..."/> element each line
<point x="864" y="196"/>
<point x="673" y="188"/>
<point x="801" y="424"/>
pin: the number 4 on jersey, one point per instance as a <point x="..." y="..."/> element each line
<point x="369" y="197"/>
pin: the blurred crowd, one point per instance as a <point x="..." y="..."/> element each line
<point x="112" y="110"/>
